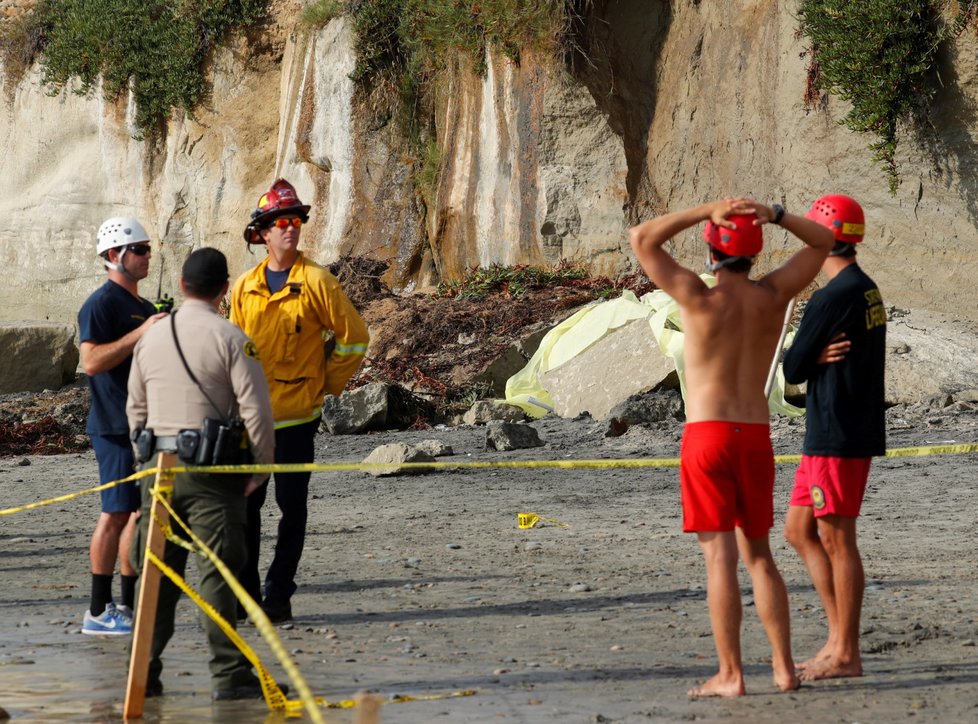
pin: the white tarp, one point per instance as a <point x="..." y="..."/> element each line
<point x="587" y="326"/>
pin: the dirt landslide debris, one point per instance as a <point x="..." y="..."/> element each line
<point x="436" y="344"/>
<point x="432" y="345"/>
<point x="46" y="423"/>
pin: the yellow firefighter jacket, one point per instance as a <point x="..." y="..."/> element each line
<point x="290" y="329"/>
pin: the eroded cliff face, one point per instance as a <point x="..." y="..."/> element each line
<point x="724" y="83"/>
<point x="666" y="104"/>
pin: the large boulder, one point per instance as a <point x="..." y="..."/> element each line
<point x="376" y="406"/>
<point x="625" y="362"/>
<point x="511" y="436"/>
<point x="36" y="356"/>
<point x="511" y="361"/>
<point x="396" y="458"/>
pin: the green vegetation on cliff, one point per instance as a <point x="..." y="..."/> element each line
<point x="156" y="50"/>
<point x="880" y="55"/>
<point x="405" y="45"/>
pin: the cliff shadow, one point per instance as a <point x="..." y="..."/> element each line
<point x="945" y="135"/>
<point x="615" y="51"/>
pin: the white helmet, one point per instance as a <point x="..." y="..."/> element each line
<point x="119" y="231"/>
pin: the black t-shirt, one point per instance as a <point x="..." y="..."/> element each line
<point x="845" y="402"/>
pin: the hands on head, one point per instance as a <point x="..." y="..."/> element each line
<point x="741" y="205"/>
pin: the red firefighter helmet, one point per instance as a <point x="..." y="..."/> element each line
<point x="745" y="240"/>
<point x="842" y="214"/>
<point x="280" y="200"/>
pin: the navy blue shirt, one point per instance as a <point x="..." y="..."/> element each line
<point x="110" y="313"/>
<point x="845" y="403"/>
<point x="276" y="279"/>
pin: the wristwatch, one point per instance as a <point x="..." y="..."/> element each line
<point x="778" y="213"/>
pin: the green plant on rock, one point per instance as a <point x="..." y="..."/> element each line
<point x="426" y="177"/>
<point x="406" y="44"/>
<point x="876" y="54"/>
<point x="421" y="37"/>
<point x="155" y="50"/>
<point x="320" y="12"/>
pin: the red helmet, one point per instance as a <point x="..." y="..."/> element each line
<point x="745" y="240"/>
<point x="842" y="214"/>
<point x="280" y="200"/>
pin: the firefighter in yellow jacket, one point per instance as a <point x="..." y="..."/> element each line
<point x="288" y="305"/>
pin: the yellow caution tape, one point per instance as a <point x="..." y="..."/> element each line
<point x="274" y="697"/>
<point x="273" y="694"/>
<point x="72" y="496"/>
<point x="908" y="452"/>
<point x="564" y="464"/>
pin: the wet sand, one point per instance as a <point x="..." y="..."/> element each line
<point x="424" y="585"/>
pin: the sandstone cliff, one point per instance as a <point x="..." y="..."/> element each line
<point x="667" y="104"/>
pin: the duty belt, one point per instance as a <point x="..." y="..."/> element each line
<point x="166" y="443"/>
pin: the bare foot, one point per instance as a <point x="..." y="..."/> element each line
<point x="816" y="660"/>
<point x="823" y="654"/>
<point x="787" y="682"/>
<point x="718" y="686"/>
<point x="832" y="668"/>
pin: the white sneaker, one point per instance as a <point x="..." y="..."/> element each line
<point x="126" y="613"/>
<point x="113" y="621"/>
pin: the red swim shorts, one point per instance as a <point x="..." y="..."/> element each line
<point x="831" y="485"/>
<point x="726" y="477"/>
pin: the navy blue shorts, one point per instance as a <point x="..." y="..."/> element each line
<point x="116" y="461"/>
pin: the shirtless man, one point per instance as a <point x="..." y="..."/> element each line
<point x="727" y="471"/>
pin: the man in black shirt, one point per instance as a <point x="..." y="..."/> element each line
<point x="840" y="351"/>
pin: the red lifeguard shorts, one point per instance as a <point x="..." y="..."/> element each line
<point x="831" y="485"/>
<point x="726" y="477"/>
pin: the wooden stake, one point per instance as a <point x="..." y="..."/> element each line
<point x="777" y="353"/>
<point x="368" y="709"/>
<point x="149" y="596"/>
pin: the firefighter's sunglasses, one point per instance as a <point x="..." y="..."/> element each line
<point x="284" y="222"/>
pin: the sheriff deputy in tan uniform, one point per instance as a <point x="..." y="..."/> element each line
<point x="166" y="411"/>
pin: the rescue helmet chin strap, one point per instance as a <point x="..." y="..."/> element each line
<point x="714" y="266"/>
<point x="118" y="266"/>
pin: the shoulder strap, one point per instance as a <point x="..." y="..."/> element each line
<point x="176" y="341"/>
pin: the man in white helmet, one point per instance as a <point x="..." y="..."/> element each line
<point x="110" y="323"/>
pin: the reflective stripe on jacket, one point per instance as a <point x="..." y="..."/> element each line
<point x="290" y="327"/>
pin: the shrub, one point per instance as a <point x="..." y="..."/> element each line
<point x="156" y="50"/>
<point x="878" y="55"/>
<point x="320" y="12"/>
<point x="514" y="281"/>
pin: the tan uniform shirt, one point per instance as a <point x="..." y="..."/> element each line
<point x="162" y="397"/>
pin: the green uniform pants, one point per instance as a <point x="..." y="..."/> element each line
<point x="213" y="506"/>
